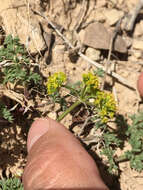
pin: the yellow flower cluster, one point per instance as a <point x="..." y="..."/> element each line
<point x="55" y="81"/>
<point x="91" y="81"/>
<point x="106" y="105"/>
<point x="104" y="101"/>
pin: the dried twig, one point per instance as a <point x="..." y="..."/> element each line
<point x="113" y="74"/>
<point x="111" y="46"/>
<point x="131" y="21"/>
<point x="5" y="63"/>
<point x="86" y="122"/>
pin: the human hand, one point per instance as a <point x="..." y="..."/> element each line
<point x="56" y="160"/>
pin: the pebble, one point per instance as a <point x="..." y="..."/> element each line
<point x="101" y="3"/>
<point x="113" y="16"/>
<point x="138" y="29"/>
<point x="138" y="54"/>
<point x="52" y="115"/>
<point x="137" y="44"/>
<point x="93" y="54"/>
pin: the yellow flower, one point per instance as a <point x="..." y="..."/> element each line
<point x="106" y="105"/>
<point x="90" y="80"/>
<point x="55" y="81"/>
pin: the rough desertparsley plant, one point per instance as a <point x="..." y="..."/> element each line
<point x="102" y="108"/>
<point x="88" y="89"/>
<point x="134" y="135"/>
<point x="18" y="70"/>
<point x="5" y="113"/>
<point x="88" y="94"/>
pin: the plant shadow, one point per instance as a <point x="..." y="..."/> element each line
<point x="111" y="180"/>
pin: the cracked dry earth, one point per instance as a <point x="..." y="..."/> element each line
<point x="17" y="18"/>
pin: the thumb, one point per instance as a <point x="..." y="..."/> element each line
<point x="57" y="160"/>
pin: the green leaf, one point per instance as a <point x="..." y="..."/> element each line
<point x="109" y="153"/>
<point x="33" y="77"/>
<point x="137" y="162"/>
<point x="5" y="113"/>
<point x="99" y="72"/>
<point x="111" y="139"/>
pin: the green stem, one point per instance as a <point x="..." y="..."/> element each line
<point x="69" y="110"/>
<point x="83" y="92"/>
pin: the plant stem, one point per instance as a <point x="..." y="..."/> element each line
<point x="83" y="92"/>
<point x="120" y="159"/>
<point x="69" y="110"/>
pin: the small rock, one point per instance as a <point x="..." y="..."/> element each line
<point x="101" y="3"/>
<point x="132" y="58"/>
<point x="138" y="29"/>
<point x="98" y="37"/>
<point x="77" y="130"/>
<point x="52" y="115"/>
<point x="138" y="54"/>
<point x="100" y="17"/>
<point x="137" y="44"/>
<point x="131" y="4"/>
<point x="93" y="54"/>
<point x="113" y="16"/>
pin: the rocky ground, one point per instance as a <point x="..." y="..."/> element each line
<point x="89" y="25"/>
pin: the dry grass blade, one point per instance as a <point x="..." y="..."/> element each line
<point x="17" y="97"/>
